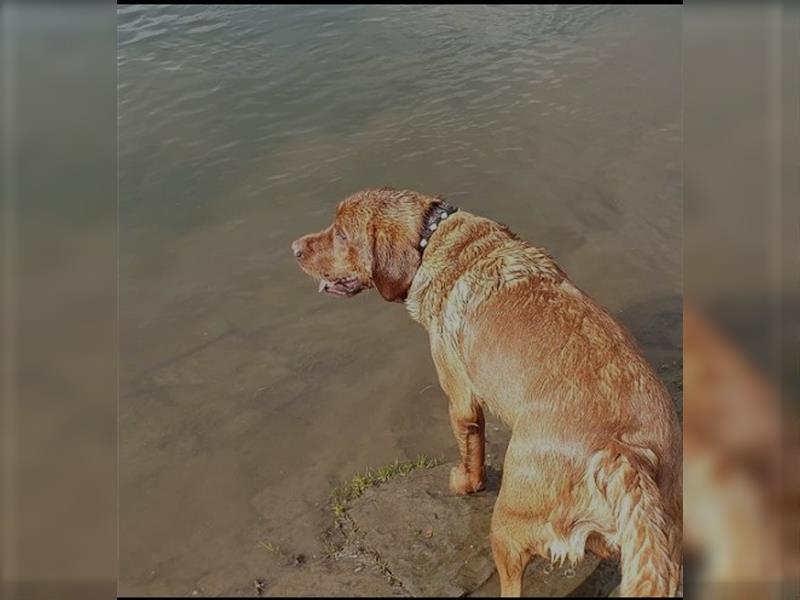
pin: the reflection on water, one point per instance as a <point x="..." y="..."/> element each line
<point x="244" y="393"/>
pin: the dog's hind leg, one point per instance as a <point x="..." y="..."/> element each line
<point x="511" y="555"/>
<point x="534" y="509"/>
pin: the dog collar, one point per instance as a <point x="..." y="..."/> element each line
<point x="437" y="213"/>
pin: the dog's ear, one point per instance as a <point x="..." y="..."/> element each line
<point x="394" y="263"/>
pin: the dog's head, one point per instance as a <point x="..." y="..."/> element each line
<point x="373" y="242"/>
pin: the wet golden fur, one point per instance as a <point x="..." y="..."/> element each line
<point x="595" y="453"/>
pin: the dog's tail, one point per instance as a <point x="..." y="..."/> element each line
<point x="649" y="539"/>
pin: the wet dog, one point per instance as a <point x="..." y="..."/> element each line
<point x="594" y="459"/>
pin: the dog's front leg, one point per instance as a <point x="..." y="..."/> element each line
<point x="466" y="417"/>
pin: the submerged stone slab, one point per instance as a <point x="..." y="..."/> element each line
<point x="410" y="536"/>
<point x="342" y="578"/>
<point x="432" y="541"/>
<point x="590" y="579"/>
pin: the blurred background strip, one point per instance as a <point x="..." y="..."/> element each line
<point x="59" y="300"/>
<point x="741" y="333"/>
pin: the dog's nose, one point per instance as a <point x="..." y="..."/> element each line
<point x="298" y="246"/>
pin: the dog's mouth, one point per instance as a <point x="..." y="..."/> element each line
<point x="343" y="286"/>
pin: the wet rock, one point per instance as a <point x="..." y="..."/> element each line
<point x="258" y="586"/>
<point x="334" y="578"/>
<point x="432" y="541"/>
<point x="592" y="578"/>
<point x="410" y="536"/>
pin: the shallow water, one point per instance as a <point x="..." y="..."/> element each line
<point x="245" y="395"/>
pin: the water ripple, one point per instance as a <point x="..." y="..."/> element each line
<point x="241" y="108"/>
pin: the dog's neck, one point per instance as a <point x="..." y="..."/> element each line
<point x="436" y="213"/>
<point x="438" y="265"/>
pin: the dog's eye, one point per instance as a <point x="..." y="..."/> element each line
<point x="341" y="235"/>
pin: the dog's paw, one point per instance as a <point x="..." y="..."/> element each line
<point x="462" y="483"/>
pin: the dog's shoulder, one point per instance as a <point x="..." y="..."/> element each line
<point x="472" y="258"/>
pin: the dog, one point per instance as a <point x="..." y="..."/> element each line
<point x="594" y="459"/>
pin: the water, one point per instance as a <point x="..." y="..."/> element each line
<point x="245" y="395"/>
